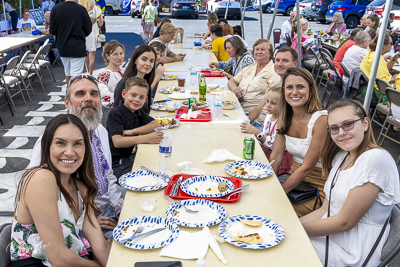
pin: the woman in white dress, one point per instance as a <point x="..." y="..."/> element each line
<point x="113" y="54"/>
<point x="361" y="190"/>
<point x="91" y="41"/>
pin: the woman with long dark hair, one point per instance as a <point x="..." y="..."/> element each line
<point x="141" y="64"/>
<point x="301" y="130"/>
<point x="361" y="190"/>
<point x="54" y="219"/>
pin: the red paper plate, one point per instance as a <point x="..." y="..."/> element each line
<point x="204" y="116"/>
<point x="208" y="73"/>
<point x="182" y="195"/>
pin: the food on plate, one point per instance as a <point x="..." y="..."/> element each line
<point x="217" y="70"/>
<point x="199" y="103"/>
<point x="166" y="121"/>
<point x="250" y="238"/>
<point x="214" y="89"/>
<point x="229" y="103"/>
<point x="222" y="186"/>
<point x="194" y="92"/>
<point x="207" y="187"/>
<point x="170" y="76"/>
<point x="174" y="88"/>
<point x="252" y="223"/>
<point x="248" y="171"/>
<point x="239" y="170"/>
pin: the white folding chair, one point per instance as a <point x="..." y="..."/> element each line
<point x="11" y="82"/>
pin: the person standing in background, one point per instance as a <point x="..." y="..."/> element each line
<point x="47" y="5"/>
<point x="13" y="14"/>
<point x="70" y="23"/>
<point x="96" y="18"/>
<point x="150" y="13"/>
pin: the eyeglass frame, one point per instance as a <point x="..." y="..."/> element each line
<point x="342" y="126"/>
<point x="83" y="76"/>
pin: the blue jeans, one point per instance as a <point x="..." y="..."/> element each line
<point x="256" y="124"/>
<point x="109" y="212"/>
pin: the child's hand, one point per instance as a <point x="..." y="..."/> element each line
<point x="154" y="138"/>
<point x="248" y="128"/>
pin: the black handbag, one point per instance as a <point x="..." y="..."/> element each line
<point x="302" y="192"/>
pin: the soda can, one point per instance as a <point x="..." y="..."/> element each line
<point x="248" y="148"/>
<point x="192" y="103"/>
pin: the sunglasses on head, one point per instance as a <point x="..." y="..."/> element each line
<point x="82" y="76"/>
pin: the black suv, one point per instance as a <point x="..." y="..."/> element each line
<point x="319" y="9"/>
<point x="184" y="8"/>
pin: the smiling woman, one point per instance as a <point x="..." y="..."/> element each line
<point x="301" y="130"/>
<point x="52" y="204"/>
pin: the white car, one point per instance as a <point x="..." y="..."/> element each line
<point x="219" y="7"/>
<point x="266" y="5"/>
<point x="305" y="9"/>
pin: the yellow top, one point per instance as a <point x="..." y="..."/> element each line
<point x="218" y="46"/>
<point x="383" y="71"/>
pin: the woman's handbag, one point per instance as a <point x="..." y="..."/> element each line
<point x="302" y="192"/>
<point x="101" y="38"/>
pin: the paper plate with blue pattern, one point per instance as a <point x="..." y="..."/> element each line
<point x="142" y="181"/>
<point x="249" y="169"/>
<point x="171" y="89"/>
<point x="206" y="186"/>
<point x="271" y="232"/>
<point x="156" y="240"/>
<point x="209" y="213"/>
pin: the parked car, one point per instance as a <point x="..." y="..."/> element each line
<point x="305" y="9"/>
<point x="266" y="5"/>
<point x="319" y="9"/>
<point x="352" y="11"/>
<point x="219" y="7"/>
<point x="378" y="6"/>
<point x="285" y="6"/>
<point x="112" y="6"/>
<point x="135" y="7"/>
<point x="184" y="8"/>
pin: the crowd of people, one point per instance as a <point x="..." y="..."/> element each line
<point x="76" y="163"/>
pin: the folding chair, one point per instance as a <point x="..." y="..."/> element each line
<point x="277" y="36"/>
<point x="10" y="81"/>
<point x="394" y="98"/>
<point x="43" y="61"/>
<point x="337" y="83"/>
<point x="288" y="39"/>
<point x="315" y="63"/>
<point x="380" y="107"/>
<point x="33" y="67"/>
<point x="326" y="51"/>
<point x="32" y="55"/>
<point x="390" y="253"/>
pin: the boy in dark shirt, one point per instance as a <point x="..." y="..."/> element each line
<point x="128" y="125"/>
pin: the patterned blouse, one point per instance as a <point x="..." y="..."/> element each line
<point x="255" y="86"/>
<point x="244" y="61"/>
<point x="26" y="242"/>
<point x="107" y="80"/>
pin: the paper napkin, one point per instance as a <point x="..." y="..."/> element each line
<point x="220" y="155"/>
<point x="189" y="169"/>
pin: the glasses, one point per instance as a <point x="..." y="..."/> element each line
<point x="82" y="76"/>
<point x="347" y="126"/>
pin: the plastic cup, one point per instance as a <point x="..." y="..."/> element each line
<point x="148" y="204"/>
<point x="181" y="80"/>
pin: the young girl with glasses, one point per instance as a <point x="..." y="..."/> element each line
<point x="361" y="190"/>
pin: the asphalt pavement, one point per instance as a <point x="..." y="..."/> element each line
<point x="20" y="132"/>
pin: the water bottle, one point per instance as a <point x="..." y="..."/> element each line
<point x="165" y="154"/>
<point x="193" y="79"/>
<point x="178" y="38"/>
<point x="218" y="106"/>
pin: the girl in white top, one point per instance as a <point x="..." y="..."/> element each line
<point x="301" y="130"/>
<point x="361" y="190"/>
<point x="113" y="54"/>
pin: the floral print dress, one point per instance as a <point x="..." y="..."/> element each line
<point x="26" y="242"/>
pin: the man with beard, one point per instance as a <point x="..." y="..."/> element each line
<point x="83" y="100"/>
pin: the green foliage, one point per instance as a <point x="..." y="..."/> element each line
<point x="24" y="4"/>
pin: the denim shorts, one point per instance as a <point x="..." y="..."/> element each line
<point x="73" y="65"/>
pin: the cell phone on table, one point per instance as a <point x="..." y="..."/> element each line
<point x="159" y="264"/>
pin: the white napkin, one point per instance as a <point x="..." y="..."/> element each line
<point x="216" y="248"/>
<point x="220" y="155"/>
<point x="191" y="114"/>
<point x="188" y="245"/>
<point x="189" y="169"/>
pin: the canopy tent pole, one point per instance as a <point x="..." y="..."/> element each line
<point x="226" y="10"/>
<point x="241" y="17"/>
<point x="273" y="19"/>
<point x="378" y="51"/>
<point x="4" y="10"/>
<point x="20" y="9"/>
<point x="261" y="22"/>
<point x="298" y="31"/>
<point x="33" y="6"/>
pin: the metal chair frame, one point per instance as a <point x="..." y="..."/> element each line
<point x="277" y="36"/>
<point x="380" y="107"/>
<point x="8" y="81"/>
<point x="34" y="67"/>
<point x="338" y="81"/>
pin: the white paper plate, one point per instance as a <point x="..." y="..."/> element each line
<point x="210" y="213"/>
<point x="179" y="96"/>
<point x="177" y="122"/>
<point x="135" y="180"/>
<point x="183" y="104"/>
<point x="227" y="104"/>
<point x="270" y="231"/>
<point x="166" y="77"/>
<point x="203" y="182"/>
<point x="171" y="89"/>
<point x="163" y="106"/>
<point x="153" y="241"/>
<point x="264" y="170"/>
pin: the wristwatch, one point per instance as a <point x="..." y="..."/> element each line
<point x="259" y="136"/>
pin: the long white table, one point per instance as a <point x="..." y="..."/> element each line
<point x="194" y="142"/>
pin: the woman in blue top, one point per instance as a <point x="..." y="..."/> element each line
<point x="240" y="57"/>
<point x="54" y="221"/>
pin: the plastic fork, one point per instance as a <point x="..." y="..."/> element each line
<point x="179" y="203"/>
<point x="237" y="192"/>
<point x="138" y="231"/>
